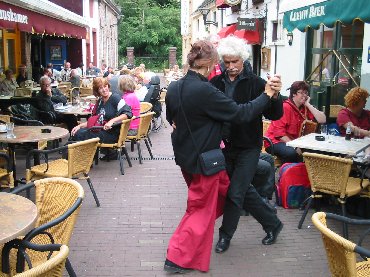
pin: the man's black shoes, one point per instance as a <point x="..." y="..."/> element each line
<point x="222" y="245"/>
<point x="174" y="268"/>
<point x="272" y="235"/>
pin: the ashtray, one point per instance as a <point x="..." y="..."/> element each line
<point x="320" y="138"/>
<point x="45" y="131"/>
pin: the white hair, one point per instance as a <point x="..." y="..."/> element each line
<point x="233" y="46"/>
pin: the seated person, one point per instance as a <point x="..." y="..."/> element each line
<point x="75" y="78"/>
<point x="22" y="75"/>
<point x="175" y="73"/>
<point x="9" y="84"/>
<point x="264" y="178"/>
<point x="127" y="87"/>
<point x="45" y="101"/>
<point x="109" y="109"/>
<point x="355" y="113"/>
<point x="296" y="109"/>
<point x="48" y="73"/>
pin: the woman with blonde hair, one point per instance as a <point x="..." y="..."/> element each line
<point x="355" y="114"/>
<point x="127" y="86"/>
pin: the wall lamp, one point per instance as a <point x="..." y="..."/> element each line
<point x="289" y="35"/>
<point x="205" y="12"/>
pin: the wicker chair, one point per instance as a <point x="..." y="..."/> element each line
<point x="330" y="175"/>
<point x="6" y="173"/>
<point x="77" y="166"/>
<point x="58" y="202"/>
<point x="119" y="146"/>
<point x="266" y="124"/>
<point x="341" y="253"/>
<point x="23" y="92"/>
<point x="86" y="91"/>
<point x="142" y="134"/>
<point x="334" y="110"/>
<point x="145" y="107"/>
<point x="52" y="267"/>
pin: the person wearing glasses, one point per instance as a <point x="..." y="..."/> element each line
<point x="297" y="108"/>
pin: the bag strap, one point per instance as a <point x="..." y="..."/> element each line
<point x="304" y="116"/>
<point x="183" y="112"/>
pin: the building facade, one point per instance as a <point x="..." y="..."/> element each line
<point x="38" y="32"/>
<point x="311" y="40"/>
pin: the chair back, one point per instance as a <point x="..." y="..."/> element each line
<point x="86" y="91"/>
<point x="328" y="174"/>
<point x="334" y="110"/>
<point x="266" y="124"/>
<point x="81" y="155"/>
<point x="52" y="267"/>
<point x="145" y="120"/>
<point x="339" y="251"/>
<point x="163" y="94"/>
<point x="67" y="84"/>
<point x="5" y="118"/>
<point x="125" y="126"/>
<point x="25" y="92"/>
<point x="53" y="197"/>
<point x="145" y="107"/>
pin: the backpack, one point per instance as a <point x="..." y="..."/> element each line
<point x="293" y="186"/>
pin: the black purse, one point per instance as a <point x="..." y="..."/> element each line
<point x="212" y="161"/>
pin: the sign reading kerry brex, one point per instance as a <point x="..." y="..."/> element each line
<point x="327" y="13"/>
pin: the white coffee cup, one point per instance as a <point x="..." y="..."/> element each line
<point x="2" y="128"/>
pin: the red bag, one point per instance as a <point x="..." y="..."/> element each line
<point x="93" y="121"/>
<point x="293" y="186"/>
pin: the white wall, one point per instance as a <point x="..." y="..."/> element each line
<point x="365" y="68"/>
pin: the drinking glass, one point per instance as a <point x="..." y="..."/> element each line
<point x="10" y="130"/>
<point x="324" y="130"/>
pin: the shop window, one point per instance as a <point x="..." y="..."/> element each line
<point x="336" y="59"/>
<point x="277" y="30"/>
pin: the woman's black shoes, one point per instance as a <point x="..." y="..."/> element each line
<point x="174" y="268"/>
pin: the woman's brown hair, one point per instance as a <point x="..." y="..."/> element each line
<point x="201" y="53"/>
<point x="97" y="83"/>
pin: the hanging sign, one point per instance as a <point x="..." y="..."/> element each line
<point x="248" y="24"/>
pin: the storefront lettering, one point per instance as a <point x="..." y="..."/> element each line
<point x="12" y="16"/>
<point x="307" y="13"/>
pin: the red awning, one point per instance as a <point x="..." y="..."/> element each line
<point x="221" y="4"/>
<point x="32" y="22"/>
<point x="228" y="30"/>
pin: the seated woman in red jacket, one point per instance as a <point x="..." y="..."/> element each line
<point x="355" y="113"/>
<point x="296" y="109"/>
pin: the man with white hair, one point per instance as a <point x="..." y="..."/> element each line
<point x="65" y="73"/>
<point x="243" y="143"/>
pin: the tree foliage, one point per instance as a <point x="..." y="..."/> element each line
<point x="151" y="27"/>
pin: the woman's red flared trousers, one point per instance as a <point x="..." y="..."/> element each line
<point x="191" y="244"/>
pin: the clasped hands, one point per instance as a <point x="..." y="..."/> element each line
<point x="273" y="86"/>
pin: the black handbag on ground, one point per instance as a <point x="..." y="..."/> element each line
<point x="212" y="161"/>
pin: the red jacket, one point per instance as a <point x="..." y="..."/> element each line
<point x="289" y="124"/>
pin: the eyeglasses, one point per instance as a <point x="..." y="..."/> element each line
<point x="304" y="92"/>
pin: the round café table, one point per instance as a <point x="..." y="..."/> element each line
<point x="30" y="134"/>
<point x="18" y="216"/>
<point x="75" y="110"/>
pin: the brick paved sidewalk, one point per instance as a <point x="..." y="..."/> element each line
<point x="129" y="233"/>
